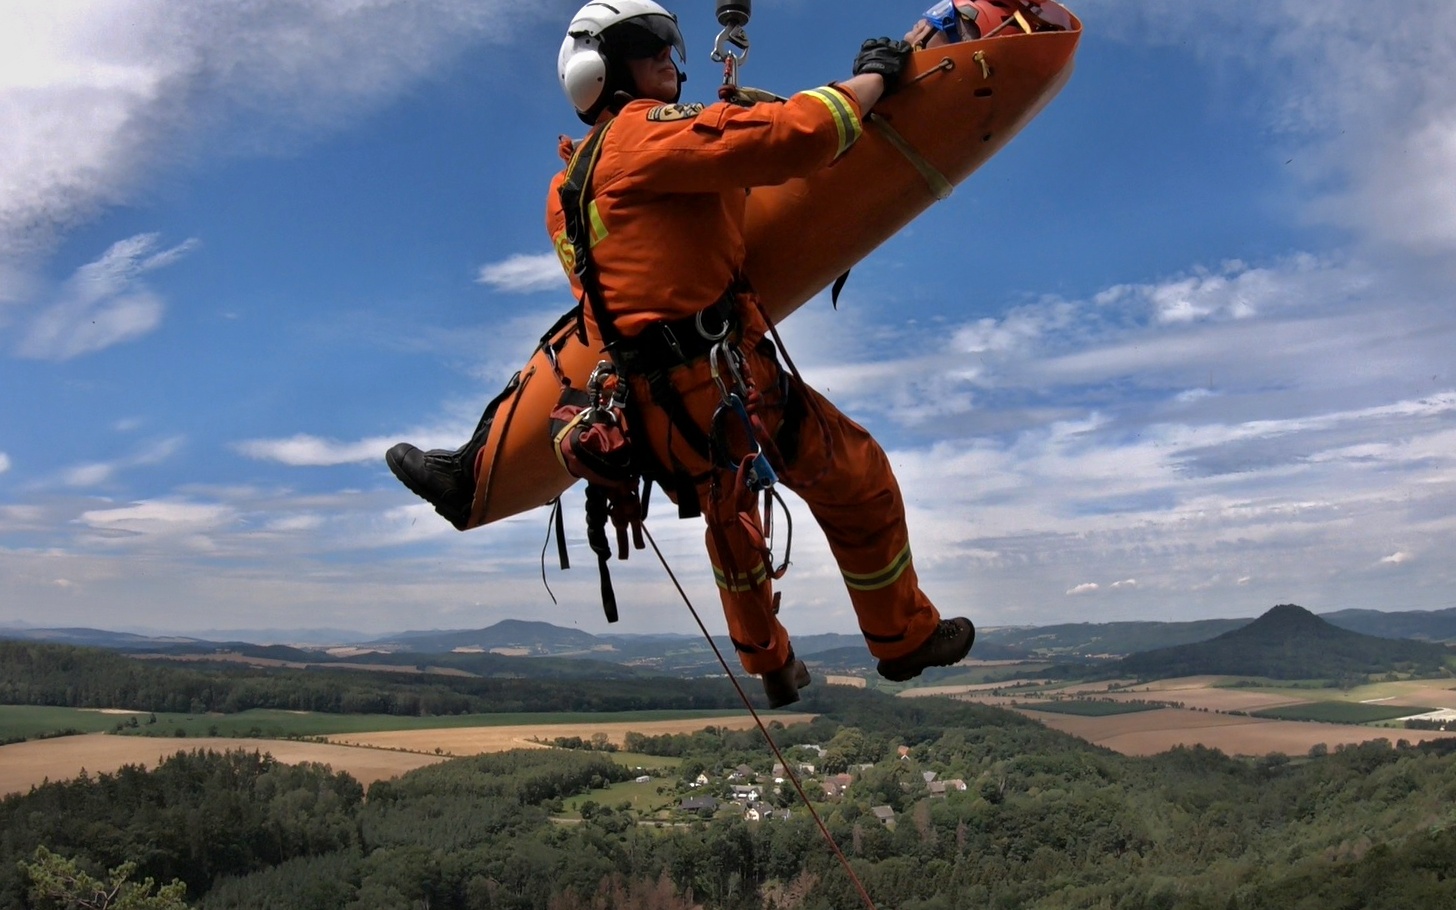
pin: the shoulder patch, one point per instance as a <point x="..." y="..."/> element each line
<point x="665" y="113"/>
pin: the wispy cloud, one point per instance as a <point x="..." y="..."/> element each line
<point x="96" y="96"/>
<point x="1276" y="439"/>
<point x="159" y="522"/>
<point x="105" y="303"/>
<point x="97" y="473"/>
<point x="4" y="462"/>
<point x="1369" y="111"/>
<point x="523" y="274"/>
<point x="303" y="450"/>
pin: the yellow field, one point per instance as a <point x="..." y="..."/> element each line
<point x="24" y="765"/>
<point x="366" y="756"/>
<point x="475" y="740"/>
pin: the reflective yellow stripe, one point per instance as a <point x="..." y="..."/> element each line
<point x="874" y="581"/>
<point x="598" y="227"/>
<point x="846" y="122"/>
<point x="740" y="582"/>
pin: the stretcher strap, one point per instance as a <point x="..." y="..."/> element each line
<point x="939" y="186"/>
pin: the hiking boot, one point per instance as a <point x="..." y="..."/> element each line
<point x="948" y="644"/>
<point x="439" y="477"/>
<point x="782" y="685"/>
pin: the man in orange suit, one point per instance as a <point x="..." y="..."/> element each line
<point x="668" y="191"/>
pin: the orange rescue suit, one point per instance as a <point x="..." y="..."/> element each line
<point x="666" y="235"/>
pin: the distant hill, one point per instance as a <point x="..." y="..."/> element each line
<point x="470" y="650"/>
<point x="1289" y="642"/>
<point x="1430" y="625"/>
<point x="91" y="638"/>
<point x="1085" y="639"/>
<point x="513" y="634"/>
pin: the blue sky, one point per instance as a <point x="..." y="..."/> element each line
<point x="1184" y="349"/>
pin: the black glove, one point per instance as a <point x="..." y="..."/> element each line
<point x="884" y="57"/>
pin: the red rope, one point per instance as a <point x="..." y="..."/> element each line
<point x="793" y="777"/>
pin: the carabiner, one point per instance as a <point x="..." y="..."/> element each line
<point x="732" y="36"/>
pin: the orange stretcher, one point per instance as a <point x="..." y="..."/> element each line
<point x="958" y="105"/>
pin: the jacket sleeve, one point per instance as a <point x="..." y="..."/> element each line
<point x="728" y="146"/>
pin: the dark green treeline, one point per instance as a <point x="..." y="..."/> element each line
<point x="65" y="676"/>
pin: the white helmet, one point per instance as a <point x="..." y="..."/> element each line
<point x="602" y="37"/>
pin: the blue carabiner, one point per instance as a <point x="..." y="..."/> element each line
<point x="761" y="474"/>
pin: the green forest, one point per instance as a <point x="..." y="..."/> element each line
<point x="74" y="677"/>
<point x="1046" y="821"/>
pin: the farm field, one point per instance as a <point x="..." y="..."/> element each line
<point x="368" y="757"/>
<point x="473" y="741"/>
<point x="1086" y="707"/>
<point x="1342" y="712"/>
<point x="966" y="688"/>
<point x="1151" y="732"/>
<point x="24" y="765"/>
<point x="1213" y="693"/>
<point x="25" y="721"/>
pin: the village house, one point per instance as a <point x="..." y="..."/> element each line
<point x="702" y="804"/>
<point x="885" y="814"/>
<point x="762" y="812"/>
<point x="836" y="784"/>
<point x="744" y="793"/>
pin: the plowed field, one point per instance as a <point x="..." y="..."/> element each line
<point x="1151" y="732"/>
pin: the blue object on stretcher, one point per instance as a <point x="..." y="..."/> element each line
<point x="943" y="18"/>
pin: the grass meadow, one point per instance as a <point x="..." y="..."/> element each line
<point x="1340" y="712"/>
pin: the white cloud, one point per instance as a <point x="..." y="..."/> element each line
<point x="522" y="274"/>
<point x="4" y="462"/>
<point x="1396" y="558"/>
<point x="96" y="95"/>
<point x="304" y="450"/>
<point x="97" y="473"/>
<point x="1369" y="113"/>
<point x="1086" y="587"/>
<point x="104" y="303"/>
<point x="188" y="522"/>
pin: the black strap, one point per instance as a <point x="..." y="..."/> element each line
<point x="838" y="286"/>
<point x="576" y="196"/>
<point x="598" y="511"/>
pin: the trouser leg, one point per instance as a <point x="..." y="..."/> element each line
<point x="744" y="587"/>
<point x="845" y="478"/>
